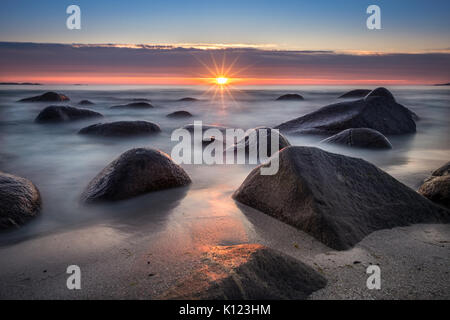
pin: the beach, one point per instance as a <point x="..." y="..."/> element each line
<point x="141" y="247"/>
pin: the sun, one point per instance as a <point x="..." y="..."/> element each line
<point x="221" y="81"/>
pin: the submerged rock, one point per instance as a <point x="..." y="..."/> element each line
<point x="85" y="103"/>
<point x="179" y="114"/>
<point x="134" y="105"/>
<point x="357" y="93"/>
<point x="135" y="172"/>
<point x="337" y="199"/>
<point x="64" y="113"/>
<point x="248" y="271"/>
<point x="290" y="97"/>
<point x="19" y="200"/>
<point x="378" y="111"/>
<point x="360" y="138"/>
<point x="437" y="187"/>
<point x="188" y="99"/>
<point x="47" y="97"/>
<point x="121" y="128"/>
<point x="246" y="143"/>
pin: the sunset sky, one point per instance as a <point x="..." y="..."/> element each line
<point x="271" y="42"/>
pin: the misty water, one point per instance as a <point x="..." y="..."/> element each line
<point x="61" y="162"/>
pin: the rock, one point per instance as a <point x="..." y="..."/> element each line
<point x="247" y="272"/>
<point x="134" y="105"/>
<point x="135" y="172"/>
<point x="290" y="97"/>
<point x="19" y="200"/>
<point x="378" y="111"/>
<point x="179" y="114"/>
<point x="357" y="93"/>
<point x="85" y="103"/>
<point x="246" y="143"/>
<point x="121" y="128"/>
<point x="337" y="199"/>
<point x="437" y="187"/>
<point x="143" y="99"/>
<point x="64" y="113"/>
<point x="360" y="138"/>
<point x="188" y="99"/>
<point x="47" y="97"/>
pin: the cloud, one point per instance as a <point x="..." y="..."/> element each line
<point x="37" y="61"/>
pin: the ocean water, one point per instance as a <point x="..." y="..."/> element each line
<point x="61" y="162"/>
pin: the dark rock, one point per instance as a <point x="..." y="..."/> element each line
<point x="85" y="103"/>
<point x="268" y="132"/>
<point x="247" y="272"/>
<point x="337" y="199"/>
<point x="378" y="111"/>
<point x="134" y="105"/>
<point x="290" y="97"/>
<point x="188" y="99"/>
<point x="437" y="187"/>
<point x="357" y="93"/>
<point x="135" y="172"/>
<point x="121" y="128"/>
<point x="179" y="114"/>
<point x="19" y="200"/>
<point x="64" y="113"/>
<point x="47" y="97"/>
<point x="143" y="99"/>
<point x="360" y="138"/>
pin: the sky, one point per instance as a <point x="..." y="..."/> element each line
<point x="276" y="42"/>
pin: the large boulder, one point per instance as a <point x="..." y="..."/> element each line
<point x="360" y="138"/>
<point x="134" y="105"/>
<point x="290" y="97"/>
<point x="357" y="93"/>
<point x="247" y="272"/>
<point x="47" y="97"/>
<point x="65" y="113"/>
<point x="378" y="111"/>
<point x="337" y="199"/>
<point x="437" y="187"/>
<point x="121" y="128"/>
<point x="135" y="172"/>
<point x="179" y="114"/>
<point x="246" y="144"/>
<point x="19" y="200"/>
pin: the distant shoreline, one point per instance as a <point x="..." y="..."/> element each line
<point x="19" y="84"/>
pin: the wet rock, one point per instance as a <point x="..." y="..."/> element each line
<point x="65" y="113"/>
<point x="248" y="272"/>
<point x="290" y="97"/>
<point x="19" y="200"/>
<point x="135" y="172"/>
<point x="337" y="199"/>
<point x="142" y="99"/>
<point x="85" y="103"/>
<point x="134" y="105"/>
<point x="179" y="114"/>
<point x="437" y="187"/>
<point x="360" y="138"/>
<point x="188" y="99"/>
<point x="246" y="144"/>
<point x="47" y="97"/>
<point x="357" y="93"/>
<point x="121" y="128"/>
<point x="378" y="111"/>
